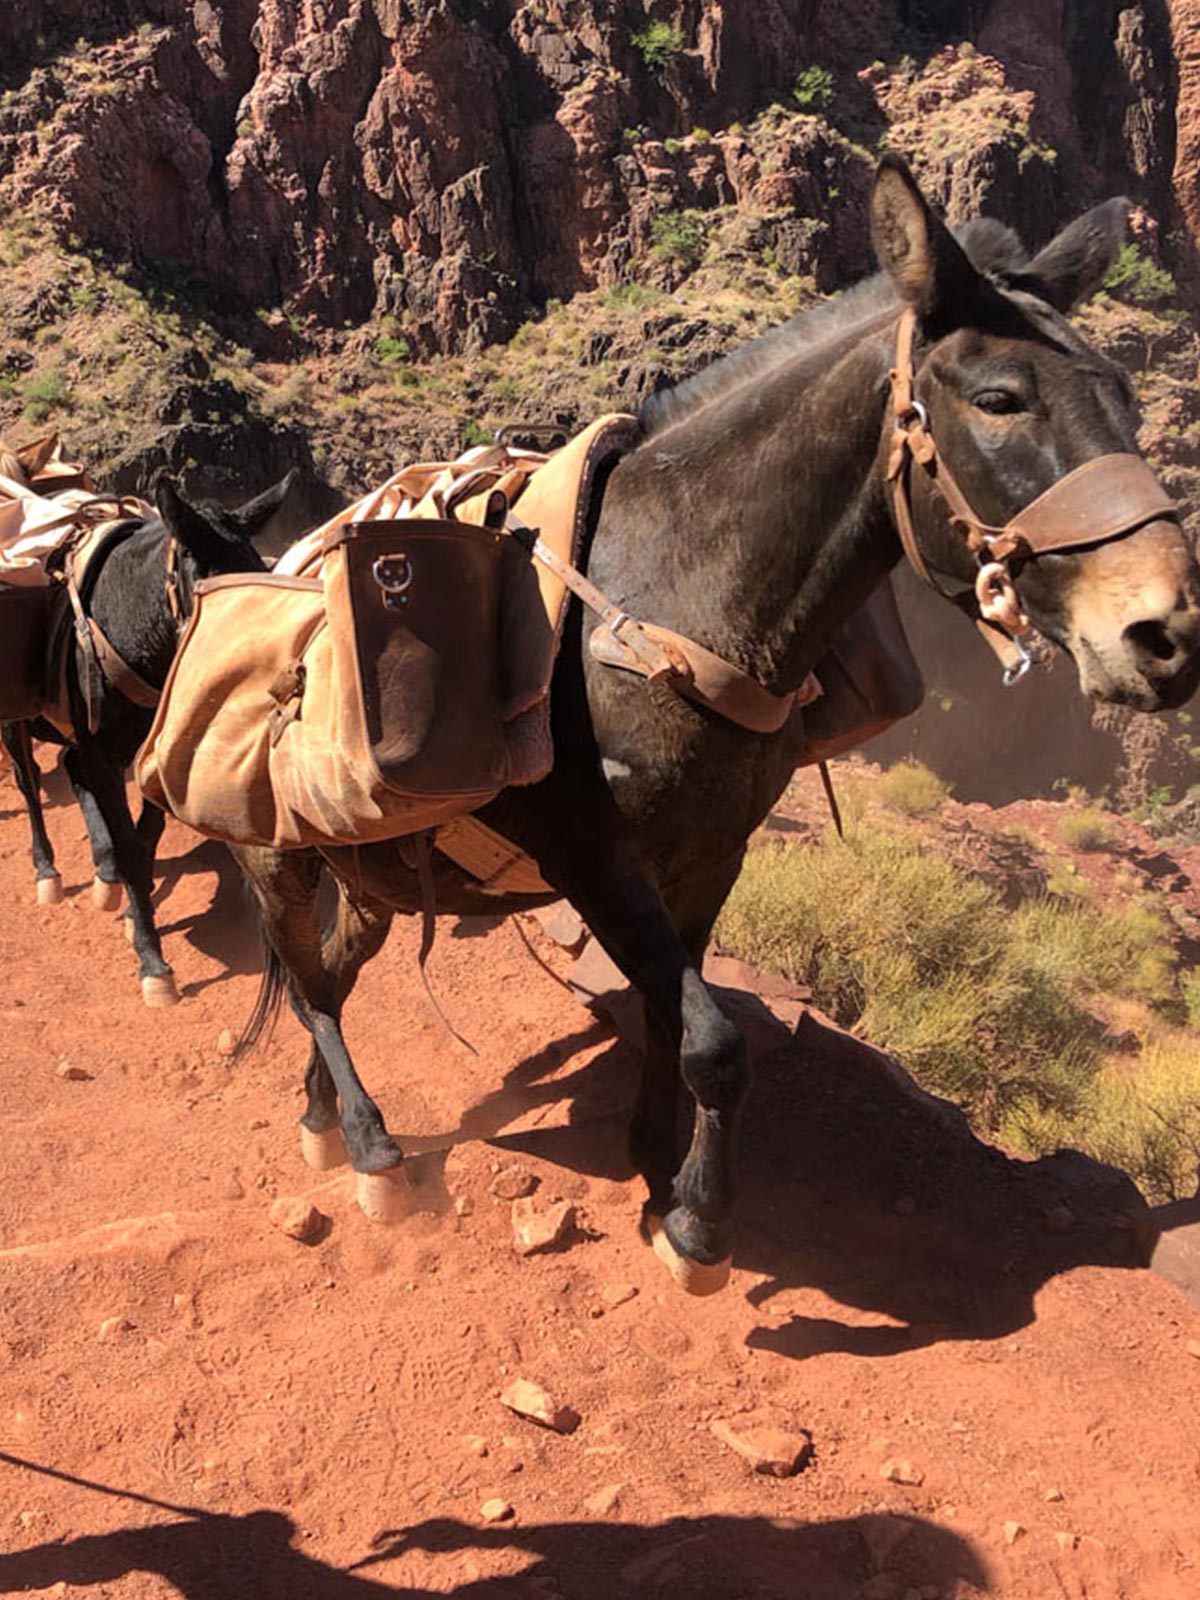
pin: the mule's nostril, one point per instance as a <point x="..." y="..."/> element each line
<point x="1153" y="638"/>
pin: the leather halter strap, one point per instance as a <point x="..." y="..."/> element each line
<point x="1104" y="499"/>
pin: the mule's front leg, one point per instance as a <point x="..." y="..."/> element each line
<point x="95" y="781"/>
<point x="19" y="744"/>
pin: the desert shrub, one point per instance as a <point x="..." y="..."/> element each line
<point x="980" y="1004"/>
<point x="813" y="88"/>
<point x="1135" y="277"/>
<point x="475" y="433"/>
<point x="913" y="789"/>
<point x="1090" y="829"/>
<point x="678" y="237"/>
<point x="656" y="43"/>
<point x="48" y="391"/>
<point x="392" y="350"/>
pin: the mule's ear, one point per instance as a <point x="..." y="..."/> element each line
<point x="251" y="518"/>
<point x="1075" y="264"/>
<point x="915" y="248"/>
<point x="179" y="516"/>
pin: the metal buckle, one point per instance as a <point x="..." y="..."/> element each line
<point x="1017" y="671"/>
<point x="393" y="575"/>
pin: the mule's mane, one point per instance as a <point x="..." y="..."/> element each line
<point x="991" y="248"/>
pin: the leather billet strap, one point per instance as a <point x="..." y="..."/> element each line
<point x="663" y="656"/>
<point x="1104" y="499"/>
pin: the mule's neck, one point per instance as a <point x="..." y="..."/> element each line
<point x="775" y="501"/>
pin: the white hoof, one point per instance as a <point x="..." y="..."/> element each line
<point x="50" y="891"/>
<point x="693" y="1277"/>
<point x="127" y="925"/>
<point x="323" y="1152"/>
<point x="106" y="896"/>
<point x="384" y="1196"/>
<point x="160" y="991"/>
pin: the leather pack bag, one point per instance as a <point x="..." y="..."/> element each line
<point x="869" y="679"/>
<point x="357" y="706"/>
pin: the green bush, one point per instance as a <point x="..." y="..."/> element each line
<point x="1090" y="829"/>
<point x="912" y="789"/>
<point x="813" y="89"/>
<point x="980" y="1004"/>
<point x="1135" y="277"/>
<point x="392" y="350"/>
<point x="656" y="43"/>
<point x="48" y="391"/>
<point x="678" y="237"/>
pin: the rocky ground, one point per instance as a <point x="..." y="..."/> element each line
<point x="978" y="1389"/>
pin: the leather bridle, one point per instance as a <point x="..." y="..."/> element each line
<point x="1102" y="500"/>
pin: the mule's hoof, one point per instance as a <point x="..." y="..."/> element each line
<point x="106" y="896"/>
<point x="693" y="1277"/>
<point x="160" y="991"/>
<point x="50" y="891"/>
<point x="127" y="925"/>
<point x="384" y="1196"/>
<point x="323" y="1152"/>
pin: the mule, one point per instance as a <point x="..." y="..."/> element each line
<point x="138" y="593"/>
<point x="757" y="515"/>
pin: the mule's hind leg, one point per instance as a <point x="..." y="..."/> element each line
<point x="106" y="877"/>
<point x="19" y="744"/>
<point x="318" y="979"/>
<point x="150" y="824"/>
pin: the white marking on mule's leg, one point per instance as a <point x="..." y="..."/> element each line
<point x="323" y="1152"/>
<point x="384" y="1196"/>
<point x="50" y="890"/>
<point x="160" y="990"/>
<point x="106" y="896"/>
<point x="693" y="1277"/>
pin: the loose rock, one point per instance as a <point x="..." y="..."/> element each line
<point x="896" y="1470"/>
<point x="773" y="1451"/>
<point x="1193" y="1348"/>
<point x="534" y="1231"/>
<point x="618" y="1294"/>
<point x="496" y="1511"/>
<point x="531" y="1401"/>
<point x="111" y="1327"/>
<point x="1012" y="1532"/>
<point x="226" y="1042"/>
<point x="882" y="1534"/>
<point x="513" y="1183"/>
<point x="73" y="1074"/>
<point x="1052" y="1495"/>
<point x="604" y="1501"/>
<point x="296" y="1217"/>
<point x="476" y="1444"/>
<point x="1066" y="1541"/>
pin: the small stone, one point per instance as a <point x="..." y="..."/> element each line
<point x="882" y="1534"/>
<point x="563" y="924"/>
<point x="113" y="1327"/>
<point x="463" y="1206"/>
<point x="1193" y="1348"/>
<point x="1052" y="1496"/>
<point x="513" y="1183"/>
<point x="1013" y="1531"/>
<point x="1066" y="1541"/>
<point x="773" y="1451"/>
<point x="531" y="1401"/>
<point x="496" y="1511"/>
<point x="226" y="1042"/>
<point x="604" y="1501"/>
<point x="257" y="1124"/>
<point x="897" y="1470"/>
<point x="296" y="1217"/>
<point x="476" y="1445"/>
<point x="534" y="1230"/>
<point x="67" y="1070"/>
<point x="618" y="1294"/>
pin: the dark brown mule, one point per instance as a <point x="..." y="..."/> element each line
<point x="756" y="517"/>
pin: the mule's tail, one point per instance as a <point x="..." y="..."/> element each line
<point x="272" y="992"/>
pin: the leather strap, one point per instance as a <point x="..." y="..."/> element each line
<point x="119" y="673"/>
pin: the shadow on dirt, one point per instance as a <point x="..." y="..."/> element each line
<point x="210" y="1556"/>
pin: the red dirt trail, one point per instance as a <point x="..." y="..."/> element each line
<point x="325" y="1417"/>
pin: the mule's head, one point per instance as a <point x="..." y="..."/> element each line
<point x="218" y="538"/>
<point x="1016" y="400"/>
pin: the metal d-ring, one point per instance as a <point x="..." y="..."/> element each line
<point x="394" y="575"/>
<point x="916" y="409"/>
<point x="1017" y="671"/>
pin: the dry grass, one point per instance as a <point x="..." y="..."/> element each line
<point x="912" y="789"/>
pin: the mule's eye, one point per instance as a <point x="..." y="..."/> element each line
<point x="997" y="402"/>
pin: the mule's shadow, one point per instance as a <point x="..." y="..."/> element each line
<point x="854" y="1182"/>
<point x="251" y="1557"/>
<point x="226" y="929"/>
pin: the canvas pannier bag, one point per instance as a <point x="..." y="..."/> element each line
<point x="368" y="707"/>
<point x="24" y="628"/>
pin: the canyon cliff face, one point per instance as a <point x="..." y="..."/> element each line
<point x="454" y="162"/>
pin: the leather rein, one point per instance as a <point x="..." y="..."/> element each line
<point x="1102" y="500"/>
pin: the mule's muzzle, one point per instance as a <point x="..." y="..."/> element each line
<point x="1165" y="652"/>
